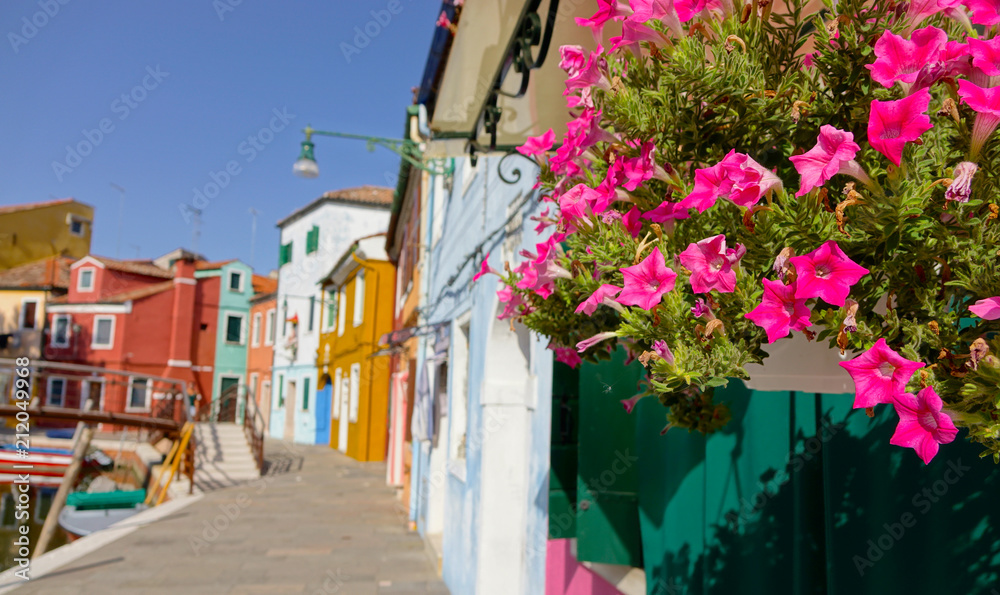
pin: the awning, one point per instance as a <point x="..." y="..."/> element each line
<point x="480" y="48"/>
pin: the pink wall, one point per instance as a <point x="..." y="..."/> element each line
<point x="564" y="575"/>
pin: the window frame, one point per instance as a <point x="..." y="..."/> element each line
<point x="270" y="322"/>
<point x="73" y="219"/>
<point x="80" y="288"/>
<point x="342" y="311"/>
<point x="55" y="325"/>
<point x="131" y="386"/>
<point x="359" y="298"/>
<point x="255" y="329"/>
<point x="111" y="334"/>
<point x="229" y="281"/>
<point x="48" y="391"/>
<point x="225" y="329"/>
<point x="338" y="376"/>
<point x="354" y="393"/>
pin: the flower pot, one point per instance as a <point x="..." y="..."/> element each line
<point x="797" y="364"/>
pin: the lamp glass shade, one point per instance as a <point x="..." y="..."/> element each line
<point x="306" y="165"/>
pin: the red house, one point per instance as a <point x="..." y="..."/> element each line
<point x="138" y="317"/>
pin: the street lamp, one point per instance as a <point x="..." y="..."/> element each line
<point x="306" y="166"/>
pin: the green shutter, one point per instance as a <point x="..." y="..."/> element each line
<point x="285" y="254"/>
<point x="305" y="394"/>
<point x="281" y="391"/>
<point x="312" y="240"/>
<point x="565" y="434"/>
<point x="607" y="517"/>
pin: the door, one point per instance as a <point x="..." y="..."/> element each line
<point x="92" y="389"/>
<point x="229" y="388"/>
<point x="290" y="412"/>
<point x="345" y="390"/>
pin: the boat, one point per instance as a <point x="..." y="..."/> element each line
<point x="86" y="513"/>
<point x="45" y="466"/>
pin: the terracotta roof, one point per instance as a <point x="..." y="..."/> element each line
<point x="372" y="196"/>
<point x="120" y="298"/>
<point x="262" y="284"/>
<point x="138" y="267"/>
<point x="38" y="205"/>
<point x="51" y="272"/>
<point x="202" y="265"/>
<point x="263" y="297"/>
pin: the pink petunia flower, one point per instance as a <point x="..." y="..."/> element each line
<point x="634" y="32"/>
<point x="646" y="282"/>
<point x="631" y="402"/>
<point x="689" y="9"/>
<point x="603" y="296"/>
<point x="662" y="350"/>
<point x="833" y="154"/>
<point x="986" y="103"/>
<point x="514" y="303"/>
<point x="985" y="55"/>
<point x="779" y="311"/>
<point x="541" y="273"/>
<point x="631" y="223"/>
<point x="901" y="59"/>
<point x="537" y="145"/>
<point x="984" y="12"/>
<point x="484" y="269"/>
<point x="593" y="74"/>
<point x="988" y="309"/>
<point x="667" y="211"/>
<point x="567" y="356"/>
<point x="659" y="10"/>
<point x="892" y="124"/>
<point x="879" y="375"/>
<point x="737" y="177"/>
<point x="573" y="59"/>
<point x="607" y="10"/>
<point x="638" y="170"/>
<point x="922" y="425"/>
<point x="826" y="273"/>
<point x="443" y="21"/>
<point x="921" y="9"/>
<point x="960" y="188"/>
<point x="598" y="338"/>
<point x="710" y="265"/>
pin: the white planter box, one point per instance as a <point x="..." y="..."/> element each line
<point x="797" y="364"/>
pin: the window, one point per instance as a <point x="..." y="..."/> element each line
<point x="269" y="330"/>
<point x="56" y="392"/>
<point x="138" y="393"/>
<point x="355" y="393"/>
<point x="312" y="310"/>
<point x="256" y="329"/>
<point x="60" y="330"/>
<point x="253" y="387"/>
<point x="285" y="254"/>
<point x="85" y="280"/>
<point x="359" y="297"/>
<point x="234" y="328"/>
<point x="312" y="240"/>
<point x="337" y="393"/>
<point x="281" y="391"/>
<point x="103" y="334"/>
<point x="236" y="281"/>
<point x="29" y="314"/>
<point x="77" y="226"/>
<point x="330" y="320"/>
<point x="341" y="312"/>
<point x="305" y="394"/>
<point x="459" y="410"/>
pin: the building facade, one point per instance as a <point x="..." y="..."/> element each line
<point x="24" y="293"/>
<point x="312" y="239"/>
<point x="362" y="283"/>
<point x="36" y="231"/>
<point x="260" y="352"/>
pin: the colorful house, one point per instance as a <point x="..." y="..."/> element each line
<point x="360" y="290"/>
<point x="233" y="280"/>
<point x="312" y="239"/>
<point x="24" y="293"/>
<point x="36" y="231"/>
<point x="260" y="352"/>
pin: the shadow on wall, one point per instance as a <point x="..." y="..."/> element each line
<point x="843" y="513"/>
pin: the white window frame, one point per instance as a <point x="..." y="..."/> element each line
<point x="359" y="298"/>
<point x="354" y="394"/>
<point x="225" y="327"/>
<point x="253" y="388"/>
<point x="338" y="376"/>
<point x="341" y="312"/>
<point x="269" y="326"/>
<point x="21" y="317"/>
<point x="93" y="333"/>
<point x="55" y="325"/>
<point x="229" y="281"/>
<point x="255" y="330"/>
<point x="458" y="389"/>
<point x="80" y="287"/>
<point x="48" y="391"/>
<point x="83" y="225"/>
<point x="128" y="396"/>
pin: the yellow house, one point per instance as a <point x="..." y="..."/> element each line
<point x="35" y="231"/>
<point x="358" y="309"/>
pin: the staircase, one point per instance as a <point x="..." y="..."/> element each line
<point x="223" y="458"/>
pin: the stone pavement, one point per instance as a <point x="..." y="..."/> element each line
<point x="317" y="523"/>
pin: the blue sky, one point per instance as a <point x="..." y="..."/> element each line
<point x="169" y="94"/>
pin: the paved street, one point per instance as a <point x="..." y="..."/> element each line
<point x="318" y="523"/>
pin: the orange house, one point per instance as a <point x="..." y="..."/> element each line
<point x="359" y="296"/>
<point x="260" y="352"/>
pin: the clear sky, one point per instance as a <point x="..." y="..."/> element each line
<point x="168" y="94"/>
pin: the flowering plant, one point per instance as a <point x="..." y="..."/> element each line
<point x="736" y="173"/>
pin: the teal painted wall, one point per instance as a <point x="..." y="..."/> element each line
<point x="231" y="358"/>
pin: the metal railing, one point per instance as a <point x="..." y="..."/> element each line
<point x="227" y="409"/>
